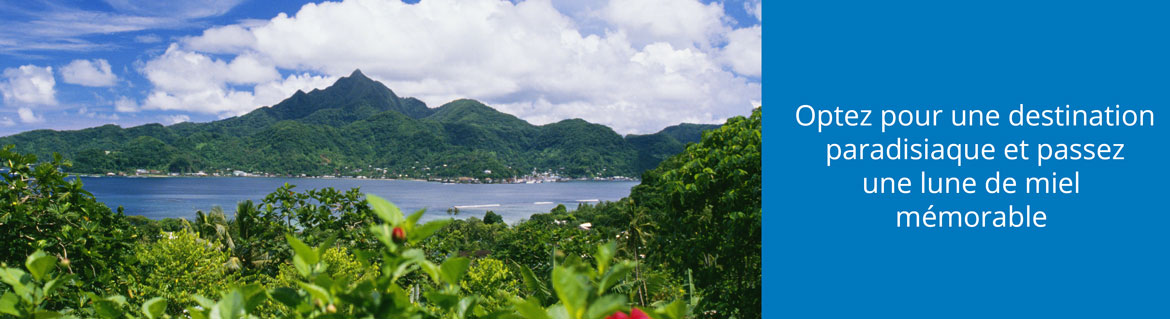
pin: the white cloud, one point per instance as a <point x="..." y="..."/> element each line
<point x="225" y="39"/>
<point x="180" y="70"/>
<point x="681" y="23"/>
<point x="186" y="80"/>
<point x="648" y="71"/>
<point x="7" y="121"/>
<point x="755" y="8"/>
<point x="125" y="105"/>
<point x="191" y="81"/>
<point x="212" y="101"/>
<point x="274" y="92"/>
<point x="744" y="51"/>
<point x="89" y="73"/>
<point x="27" y="116"/>
<point x="176" y="119"/>
<point x="29" y="85"/>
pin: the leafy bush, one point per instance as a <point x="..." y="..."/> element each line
<point x="179" y="265"/>
<point x="343" y="267"/>
<point x="328" y="254"/>
<point x="493" y="280"/>
<point x="583" y="290"/>
<point x="42" y="210"/>
<point x="704" y="208"/>
<point x="492" y="218"/>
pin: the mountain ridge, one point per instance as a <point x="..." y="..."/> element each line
<point x="360" y="127"/>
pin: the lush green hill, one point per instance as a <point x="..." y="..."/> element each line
<point x="358" y="126"/>
<point x="654" y="148"/>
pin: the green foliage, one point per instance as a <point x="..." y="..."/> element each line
<point x="493" y="280"/>
<point x="654" y="148"/>
<point x="179" y="265"/>
<point x="30" y="291"/>
<point x="537" y="241"/>
<point x="343" y="267"/>
<point x="350" y="128"/>
<point x="685" y="243"/>
<point x="704" y="205"/>
<point x="42" y="210"/>
<point x="30" y="294"/>
<point x="255" y="236"/>
<point x="330" y="283"/>
<point x="464" y="237"/>
<point x="559" y="210"/>
<point x="492" y="218"/>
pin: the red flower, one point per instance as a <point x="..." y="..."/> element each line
<point x="635" y="313"/>
<point x="399" y="235"/>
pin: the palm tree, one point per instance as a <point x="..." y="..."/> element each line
<point x="249" y="227"/>
<point x="214" y="227"/>
<point x="246" y="218"/>
<point x="638" y="231"/>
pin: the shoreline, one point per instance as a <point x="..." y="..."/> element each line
<point x="602" y="179"/>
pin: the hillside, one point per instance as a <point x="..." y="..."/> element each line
<point x="359" y="127"/>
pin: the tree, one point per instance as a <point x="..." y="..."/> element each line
<point x="706" y="208"/>
<point x="41" y="209"/>
<point x="492" y="218"/>
<point x="178" y="266"/>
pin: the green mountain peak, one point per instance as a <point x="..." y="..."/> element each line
<point x="358" y="124"/>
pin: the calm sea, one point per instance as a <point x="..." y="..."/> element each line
<point x="159" y="198"/>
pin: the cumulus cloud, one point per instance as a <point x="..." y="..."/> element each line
<point x="191" y="81"/>
<point x="179" y="70"/>
<point x="125" y="105"/>
<point x="186" y="80"/>
<point x="744" y="51"/>
<point x="89" y="73"/>
<point x="28" y="117"/>
<point x="643" y="72"/>
<point x="225" y="39"/>
<point x="275" y="91"/>
<point x="29" y="85"/>
<point x="681" y="23"/>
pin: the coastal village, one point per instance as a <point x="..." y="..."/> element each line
<point x="377" y="174"/>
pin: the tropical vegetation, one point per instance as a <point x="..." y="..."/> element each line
<point x="684" y="244"/>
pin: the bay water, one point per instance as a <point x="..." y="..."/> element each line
<point x="180" y="197"/>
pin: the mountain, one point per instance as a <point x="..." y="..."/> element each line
<point x="359" y="126"/>
<point x="654" y="148"/>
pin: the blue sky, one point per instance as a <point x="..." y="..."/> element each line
<point x="636" y="65"/>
